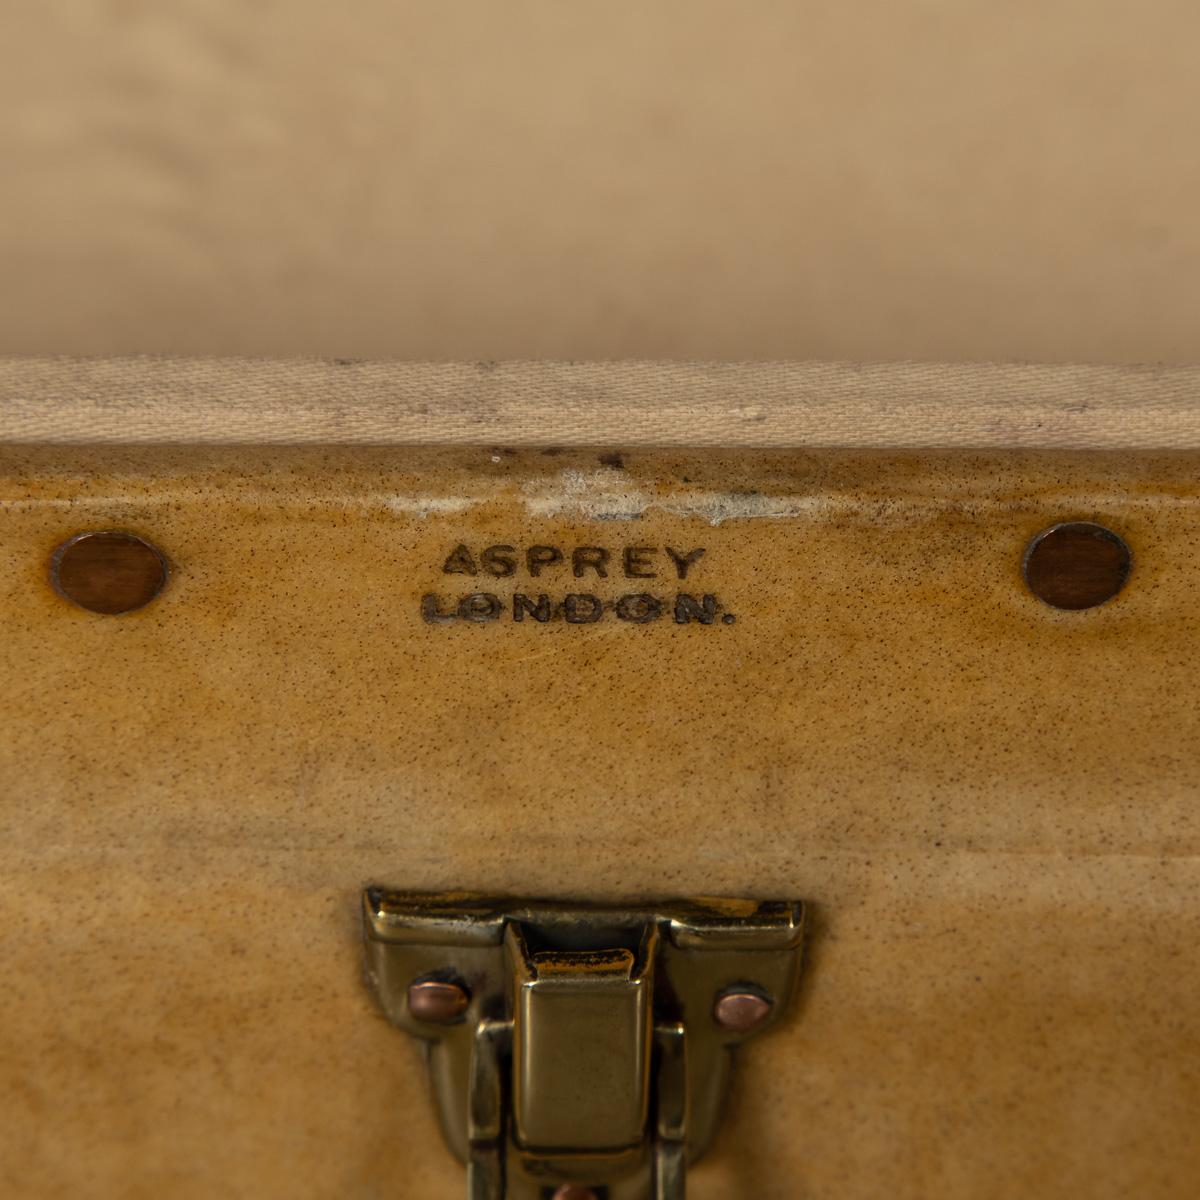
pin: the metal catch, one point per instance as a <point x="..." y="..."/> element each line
<point x="577" y="1051"/>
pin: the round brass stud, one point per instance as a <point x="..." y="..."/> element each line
<point x="1076" y="565"/>
<point x="108" y="571"/>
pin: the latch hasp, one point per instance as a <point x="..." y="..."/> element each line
<point x="579" y="1044"/>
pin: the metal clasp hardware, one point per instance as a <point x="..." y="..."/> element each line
<point x="579" y="1052"/>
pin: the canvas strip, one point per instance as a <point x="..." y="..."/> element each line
<point x="819" y="405"/>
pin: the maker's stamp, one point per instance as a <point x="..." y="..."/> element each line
<point x="641" y="602"/>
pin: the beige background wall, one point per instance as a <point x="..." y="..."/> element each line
<point x="937" y="179"/>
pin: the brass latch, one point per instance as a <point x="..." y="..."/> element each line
<point x="579" y="1052"/>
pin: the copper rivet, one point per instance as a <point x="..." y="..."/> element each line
<point x="740" y="1011"/>
<point x="572" y="1191"/>
<point x="437" y="1002"/>
<point x="108" y="571"/>
<point x="1076" y="565"/>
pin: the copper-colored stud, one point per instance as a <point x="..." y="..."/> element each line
<point x="108" y="571"/>
<point x="573" y="1191"/>
<point x="1076" y="565"/>
<point x="739" y="1011"/>
<point x="437" y="1002"/>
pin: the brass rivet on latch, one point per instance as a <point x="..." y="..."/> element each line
<point x="739" y="1011"/>
<point x="572" y="1191"/>
<point x="108" y="571"/>
<point x="436" y="1001"/>
<point x="1076" y="565"/>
